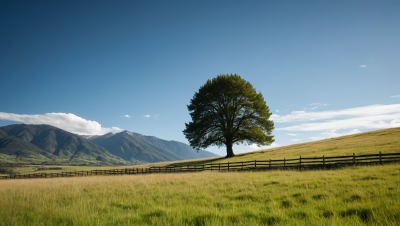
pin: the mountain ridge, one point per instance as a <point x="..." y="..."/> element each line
<point x="45" y="143"/>
<point x="128" y="144"/>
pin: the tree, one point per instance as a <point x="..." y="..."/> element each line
<point x="227" y="110"/>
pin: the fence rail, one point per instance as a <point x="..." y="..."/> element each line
<point x="300" y="163"/>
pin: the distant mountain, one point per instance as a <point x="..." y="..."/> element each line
<point x="178" y="148"/>
<point x="47" y="143"/>
<point x="128" y="146"/>
<point x="44" y="143"/>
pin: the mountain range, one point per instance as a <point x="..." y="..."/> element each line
<point x="48" y="144"/>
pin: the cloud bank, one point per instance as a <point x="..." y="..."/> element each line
<point x="369" y="117"/>
<point x="68" y="122"/>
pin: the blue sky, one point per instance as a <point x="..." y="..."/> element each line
<point x="325" y="68"/>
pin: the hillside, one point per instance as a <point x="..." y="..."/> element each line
<point x="44" y="143"/>
<point x="385" y="140"/>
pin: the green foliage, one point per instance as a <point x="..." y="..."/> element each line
<point x="6" y="170"/>
<point x="227" y="110"/>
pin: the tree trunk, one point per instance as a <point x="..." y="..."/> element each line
<point x="229" y="151"/>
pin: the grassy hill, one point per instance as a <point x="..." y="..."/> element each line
<point x="385" y="140"/>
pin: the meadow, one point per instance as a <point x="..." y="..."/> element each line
<point x="349" y="196"/>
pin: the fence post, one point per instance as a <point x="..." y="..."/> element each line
<point x="354" y="159"/>
<point x="228" y="166"/>
<point x="255" y="163"/>
<point x="284" y="163"/>
<point x="300" y="162"/>
<point x="380" y="158"/>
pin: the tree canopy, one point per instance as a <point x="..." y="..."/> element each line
<point x="227" y="110"/>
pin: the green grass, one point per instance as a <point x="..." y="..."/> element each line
<point x="361" y="195"/>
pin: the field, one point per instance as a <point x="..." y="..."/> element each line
<point x="349" y="196"/>
<point x="356" y="195"/>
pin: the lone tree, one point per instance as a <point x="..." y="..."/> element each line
<point x="227" y="111"/>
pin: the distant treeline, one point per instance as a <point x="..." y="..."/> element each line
<point x="48" y="168"/>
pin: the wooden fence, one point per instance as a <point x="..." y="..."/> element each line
<point x="298" y="164"/>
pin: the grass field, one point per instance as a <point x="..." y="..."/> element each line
<point x="350" y="196"/>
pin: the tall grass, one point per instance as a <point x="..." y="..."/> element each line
<point x="350" y="196"/>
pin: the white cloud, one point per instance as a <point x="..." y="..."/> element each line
<point x="273" y="145"/>
<point x="333" y="133"/>
<point x="255" y="147"/>
<point x="395" y="96"/>
<point x="367" y="122"/>
<point x="369" y="117"/>
<point x="373" y="110"/>
<point x="318" y="104"/>
<point x="68" y="122"/>
<point x="277" y="110"/>
<point x="314" y="107"/>
<point x="363" y="65"/>
<point x="292" y="134"/>
<point x="149" y="116"/>
<point x="126" y="116"/>
<point x="295" y="139"/>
